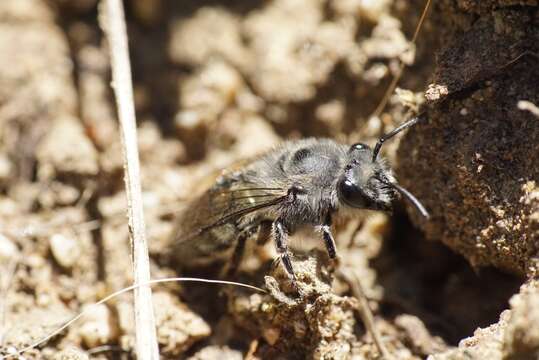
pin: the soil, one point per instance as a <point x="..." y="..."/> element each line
<point x="216" y="82"/>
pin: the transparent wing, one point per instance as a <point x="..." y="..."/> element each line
<point x="224" y="204"/>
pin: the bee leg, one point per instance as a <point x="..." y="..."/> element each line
<point x="328" y="237"/>
<point x="264" y="232"/>
<point x="234" y="263"/>
<point x="239" y="249"/>
<point x="280" y="236"/>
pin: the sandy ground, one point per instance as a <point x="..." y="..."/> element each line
<point x="217" y="82"/>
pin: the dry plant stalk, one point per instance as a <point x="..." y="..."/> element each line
<point x="112" y="21"/>
<point x="528" y="106"/>
<point x="365" y="311"/>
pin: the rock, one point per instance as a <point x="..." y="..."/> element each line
<point x="473" y="162"/>
<point x="28" y="10"/>
<point x="317" y="324"/>
<point x="66" y="149"/>
<point x="418" y="336"/>
<point x="71" y="353"/>
<point x="204" y="97"/>
<point x="521" y="340"/>
<point x="177" y="326"/>
<point x="65" y="249"/>
<point x="59" y="194"/>
<point x="156" y="151"/>
<point x="386" y="41"/>
<point x="513" y="337"/>
<point x="36" y="84"/>
<point x="248" y="136"/>
<point x="212" y="32"/>
<point x="484" y="344"/>
<point x="28" y="322"/>
<point x="304" y="49"/>
<point x="98" y="326"/>
<point x="8" y="250"/>
<point x="217" y="352"/>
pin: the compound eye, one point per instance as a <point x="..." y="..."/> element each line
<point x="351" y="194"/>
<point x="358" y="147"/>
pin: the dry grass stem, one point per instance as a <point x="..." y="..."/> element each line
<point x="528" y="106"/>
<point x="113" y="23"/>
<point x="365" y="312"/>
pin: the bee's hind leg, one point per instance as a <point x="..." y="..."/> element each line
<point x="264" y="232"/>
<point x="239" y="249"/>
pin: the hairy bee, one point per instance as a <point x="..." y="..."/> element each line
<point x="301" y="183"/>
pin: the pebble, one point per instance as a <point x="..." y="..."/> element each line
<point x="98" y="326"/>
<point x="65" y="250"/>
<point x="8" y="250"/>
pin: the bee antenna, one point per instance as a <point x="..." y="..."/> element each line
<point x="392" y="133"/>
<point x="408" y="195"/>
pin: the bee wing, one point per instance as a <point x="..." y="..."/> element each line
<point x="208" y="180"/>
<point x="220" y="206"/>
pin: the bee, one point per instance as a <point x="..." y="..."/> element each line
<point x="300" y="183"/>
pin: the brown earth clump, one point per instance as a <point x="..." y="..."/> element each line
<point x="473" y="162"/>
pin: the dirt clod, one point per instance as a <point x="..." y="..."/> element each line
<point x="98" y="326"/>
<point x="71" y="354"/>
<point x="178" y="327"/>
<point x="214" y="352"/>
<point x="65" y="250"/>
<point x="472" y="162"/>
<point x="308" y="317"/>
<point x="521" y="340"/>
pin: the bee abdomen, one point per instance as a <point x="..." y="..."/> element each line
<point x="207" y="248"/>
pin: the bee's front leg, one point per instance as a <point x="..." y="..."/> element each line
<point x="329" y="241"/>
<point x="280" y="235"/>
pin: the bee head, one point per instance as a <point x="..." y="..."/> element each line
<point x="366" y="184"/>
